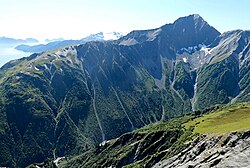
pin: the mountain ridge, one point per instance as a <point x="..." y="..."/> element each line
<point x="63" y="43"/>
<point x="179" y="142"/>
<point x="76" y="97"/>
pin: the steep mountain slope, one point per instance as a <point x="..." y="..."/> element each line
<point x="68" y="100"/>
<point x="219" y="138"/>
<point x="225" y="143"/>
<point x="63" y="43"/>
<point x="222" y="69"/>
<point x="65" y="101"/>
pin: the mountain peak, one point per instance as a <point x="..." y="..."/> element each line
<point x="196" y="16"/>
<point x="186" y="31"/>
<point x="190" y="18"/>
<point x="103" y="36"/>
<point x="68" y="100"/>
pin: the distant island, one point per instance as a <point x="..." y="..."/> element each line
<point x="12" y="41"/>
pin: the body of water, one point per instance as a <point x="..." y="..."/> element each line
<point x="8" y="53"/>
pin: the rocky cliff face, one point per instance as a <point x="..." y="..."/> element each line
<point x="221" y="69"/>
<point x="219" y="151"/>
<point x="68" y="100"/>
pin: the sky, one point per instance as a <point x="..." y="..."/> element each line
<point x="75" y="19"/>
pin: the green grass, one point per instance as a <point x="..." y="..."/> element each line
<point x="229" y="119"/>
<point x="162" y="140"/>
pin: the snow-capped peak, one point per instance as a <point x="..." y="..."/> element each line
<point x="101" y="36"/>
<point x="112" y="35"/>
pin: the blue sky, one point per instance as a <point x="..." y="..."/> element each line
<point x="74" y="19"/>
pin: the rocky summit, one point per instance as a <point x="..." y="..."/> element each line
<point x="66" y="101"/>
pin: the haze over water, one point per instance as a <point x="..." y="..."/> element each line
<point x="8" y="53"/>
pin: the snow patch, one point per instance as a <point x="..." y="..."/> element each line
<point x="36" y="68"/>
<point x="104" y="142"/>
<point x="196" y="55"/>
<point x="112" y="35"/>
<point x="205" y="49"/>
<point x="104" y="36"/>
<point x="193" y="49"/>
<point x="57" y="160"/>
<point x="46" y="67"/>
<point x="185" y="60"/>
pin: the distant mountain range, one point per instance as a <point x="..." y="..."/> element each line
<point x="53" y="40"/>
<point x="58" y="43"/>
<point x="11" y="41"/>
<point x="67" y="101"/>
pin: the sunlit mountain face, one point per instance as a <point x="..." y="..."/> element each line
<point x="133" y="101"/>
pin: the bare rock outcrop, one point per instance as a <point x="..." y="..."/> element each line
<point x="218" y="151"/>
